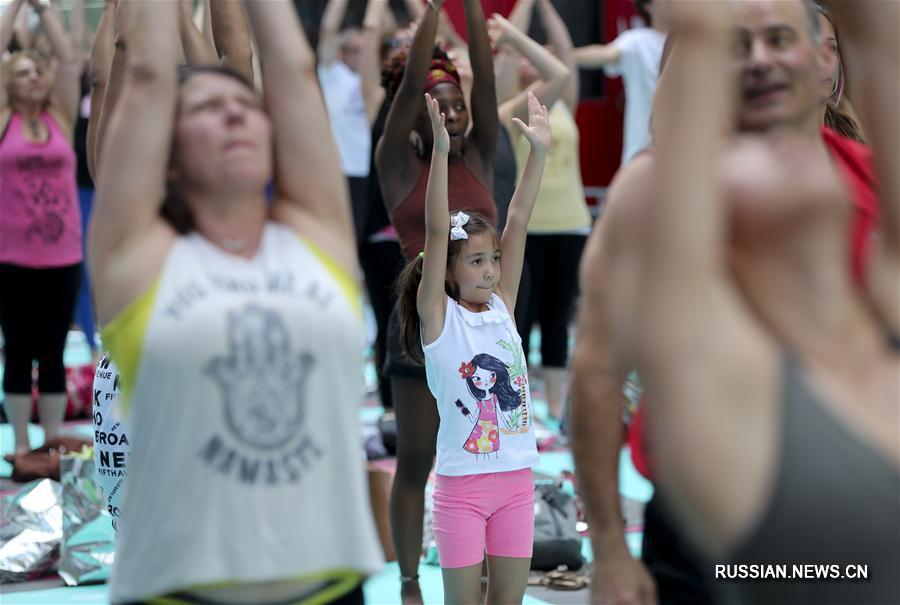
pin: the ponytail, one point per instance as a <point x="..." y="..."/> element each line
<point x="842" y="123"/>
<point x="410" y="326"/>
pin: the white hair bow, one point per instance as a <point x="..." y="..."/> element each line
<point x="456" y="226"/>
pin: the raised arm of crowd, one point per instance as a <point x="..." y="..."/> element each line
<point x="742" y="275"/>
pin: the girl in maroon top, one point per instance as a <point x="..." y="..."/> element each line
<point x="402" y="158"/>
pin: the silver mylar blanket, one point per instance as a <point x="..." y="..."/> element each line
<point x="32" y="531"/>
<point x="88" y="545"/>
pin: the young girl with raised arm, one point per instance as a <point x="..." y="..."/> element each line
<point x="456" y="303"/>
<point x="402" y="163"/>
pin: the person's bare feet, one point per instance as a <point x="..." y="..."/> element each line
<point x="19" y="451"/>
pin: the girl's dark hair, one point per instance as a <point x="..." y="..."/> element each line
<point x="175" y="209"/>
<point x="392" y="70"/>
<point x="507" y="396"/>
<point x="836" y="119"/>
<point x="411" y="276"/>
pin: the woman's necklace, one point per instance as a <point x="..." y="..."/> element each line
<point x="35" y="128"/>
<point x="235" y="244"/>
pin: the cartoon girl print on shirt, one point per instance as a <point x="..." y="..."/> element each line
<point x="487" y="379"/>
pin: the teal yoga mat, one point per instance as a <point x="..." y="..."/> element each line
<point x="384" y="588"/>
<point x="631" y="483"/>
<point x="68" y="595"/>
<point x="381" y="589"/>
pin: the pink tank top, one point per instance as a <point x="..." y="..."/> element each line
<point x="40" y="218"/>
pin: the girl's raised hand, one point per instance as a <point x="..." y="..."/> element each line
<point x="441" y="137"/>
<point x="538" y="129"/>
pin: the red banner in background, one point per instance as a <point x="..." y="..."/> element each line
<point x="600" y="120"/>
<point x="454" y="9"/>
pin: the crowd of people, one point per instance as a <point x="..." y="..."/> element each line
<point x="253" y="194"/>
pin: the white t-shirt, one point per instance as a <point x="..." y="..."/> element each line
<point x="111" y="446"/>
<point x="342" y="91"/>
<point x="641" y="51"/>
<point x="477" y="373"/>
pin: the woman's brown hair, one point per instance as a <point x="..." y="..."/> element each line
<point x="175" y="209"/>
<point x="27" y="53"/>
<point x="835" y="119"/>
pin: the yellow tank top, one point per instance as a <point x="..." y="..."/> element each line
<point x="560" y="202"/>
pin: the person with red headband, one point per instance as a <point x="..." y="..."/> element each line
<point x="402" y="158"/>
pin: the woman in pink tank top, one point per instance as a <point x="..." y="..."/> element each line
<point x="40" y="222"/>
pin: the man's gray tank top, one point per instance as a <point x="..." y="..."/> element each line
<point x="836" y="501"/>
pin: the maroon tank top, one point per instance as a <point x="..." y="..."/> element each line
<point x="464" y="191"/>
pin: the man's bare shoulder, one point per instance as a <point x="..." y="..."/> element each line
<point x="615" y="236"/>
<point x="629" y="194"/>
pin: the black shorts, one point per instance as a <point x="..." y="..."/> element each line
<point x="397" y="363"/>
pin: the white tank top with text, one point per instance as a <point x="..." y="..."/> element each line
<point x="246" y="462"/>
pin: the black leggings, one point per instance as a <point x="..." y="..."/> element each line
<point x="381" y="263"/>
<point x="549" y="295"/>
<point x="36" y="309"/>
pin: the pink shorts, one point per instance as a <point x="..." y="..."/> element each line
<point x="492" y="513"/>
